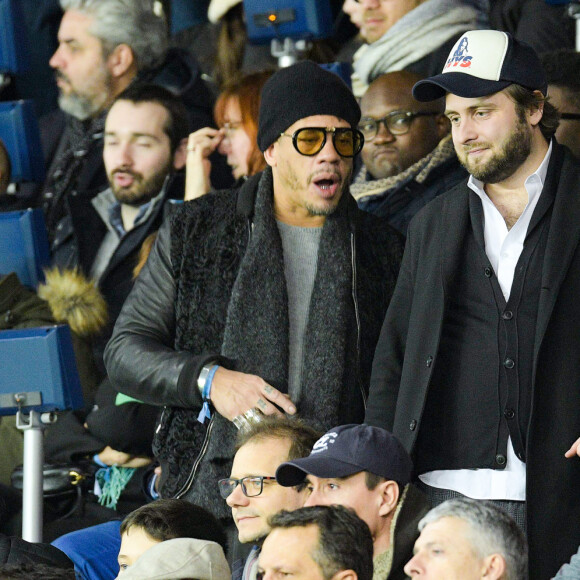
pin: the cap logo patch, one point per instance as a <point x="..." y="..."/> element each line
<point x="459" y="57"/>
<point x="323" y="443"/>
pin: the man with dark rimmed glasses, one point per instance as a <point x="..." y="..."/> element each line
<point x="408" y="155"/>
<point x="563" y="73"/>
<point x="261" y="300"/>
<point x="252" y="491"/>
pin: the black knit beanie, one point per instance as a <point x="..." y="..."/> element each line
<point x="303" y="90"/>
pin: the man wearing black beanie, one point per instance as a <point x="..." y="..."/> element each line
<point x="261" y="300"/>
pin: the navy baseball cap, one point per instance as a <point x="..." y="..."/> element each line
<point x="484" y="62"/>
<point x="347" y="450"/>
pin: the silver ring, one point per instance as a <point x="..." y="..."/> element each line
<point x="253" y="415"/>
<point x="240" y="422"/>
<point x="247" y="419"/>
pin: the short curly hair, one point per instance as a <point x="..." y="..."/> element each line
<point x="302" y="436"/>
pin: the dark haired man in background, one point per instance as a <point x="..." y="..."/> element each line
<point x="317" y="543"/>
<point x="145" y="136"/>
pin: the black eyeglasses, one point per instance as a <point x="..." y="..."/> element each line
<point x="396" y="122"/>
<point x="570" y="116"/>
<point x="310" y="140"/>
<point x="252" y="485"/>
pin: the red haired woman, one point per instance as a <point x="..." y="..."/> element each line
<point x="236" y="114"/>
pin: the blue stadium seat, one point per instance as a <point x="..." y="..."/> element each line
<point x="20" y="134"/>
<point x="14" y="55"/>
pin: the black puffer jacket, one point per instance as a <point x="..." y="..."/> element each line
<point x="180" y="74"/>
<point x="174" y="320"/>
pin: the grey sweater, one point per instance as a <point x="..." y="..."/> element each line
<point x="300" y="247"/>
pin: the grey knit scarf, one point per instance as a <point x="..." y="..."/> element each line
<point x="257" y="326"/>
<point x="411" y="38"/>
<point x="363" y="187"/>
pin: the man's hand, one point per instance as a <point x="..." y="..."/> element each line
<point x="574" y="450"/>
<point x="234" y="393"/>
<point x="111" y="457"/>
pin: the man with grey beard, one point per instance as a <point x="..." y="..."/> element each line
<point x="477" y="367"/>
<point x="103" y="47"/>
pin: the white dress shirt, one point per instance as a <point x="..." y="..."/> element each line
<point x="503" y="248"/>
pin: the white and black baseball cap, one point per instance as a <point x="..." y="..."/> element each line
<point x="484" y="62"/>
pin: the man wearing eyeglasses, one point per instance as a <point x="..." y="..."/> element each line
<point x="563" y="73"/>
<point x="408" y="154"/>
<point x="261" y="300"/>
<point x="252" y="492"/>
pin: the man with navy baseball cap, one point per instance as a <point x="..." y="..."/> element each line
<point x="368" y="470"/>
<point x="477" y="367"/>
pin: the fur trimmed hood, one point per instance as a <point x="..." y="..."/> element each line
<point x="74" y="300"/>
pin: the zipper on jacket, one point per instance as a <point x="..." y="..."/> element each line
<point x="357" y="316"/>
<point x="191" y="476"/>
<point x="160" y="424"/>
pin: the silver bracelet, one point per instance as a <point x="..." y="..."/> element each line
<point x="203" y="376"/>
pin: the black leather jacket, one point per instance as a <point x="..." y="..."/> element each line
<point x="144" y="361"/>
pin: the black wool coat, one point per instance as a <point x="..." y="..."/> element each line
<point x="407" y="353"/>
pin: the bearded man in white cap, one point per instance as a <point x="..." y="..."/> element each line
<point x="478" y="363"/>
